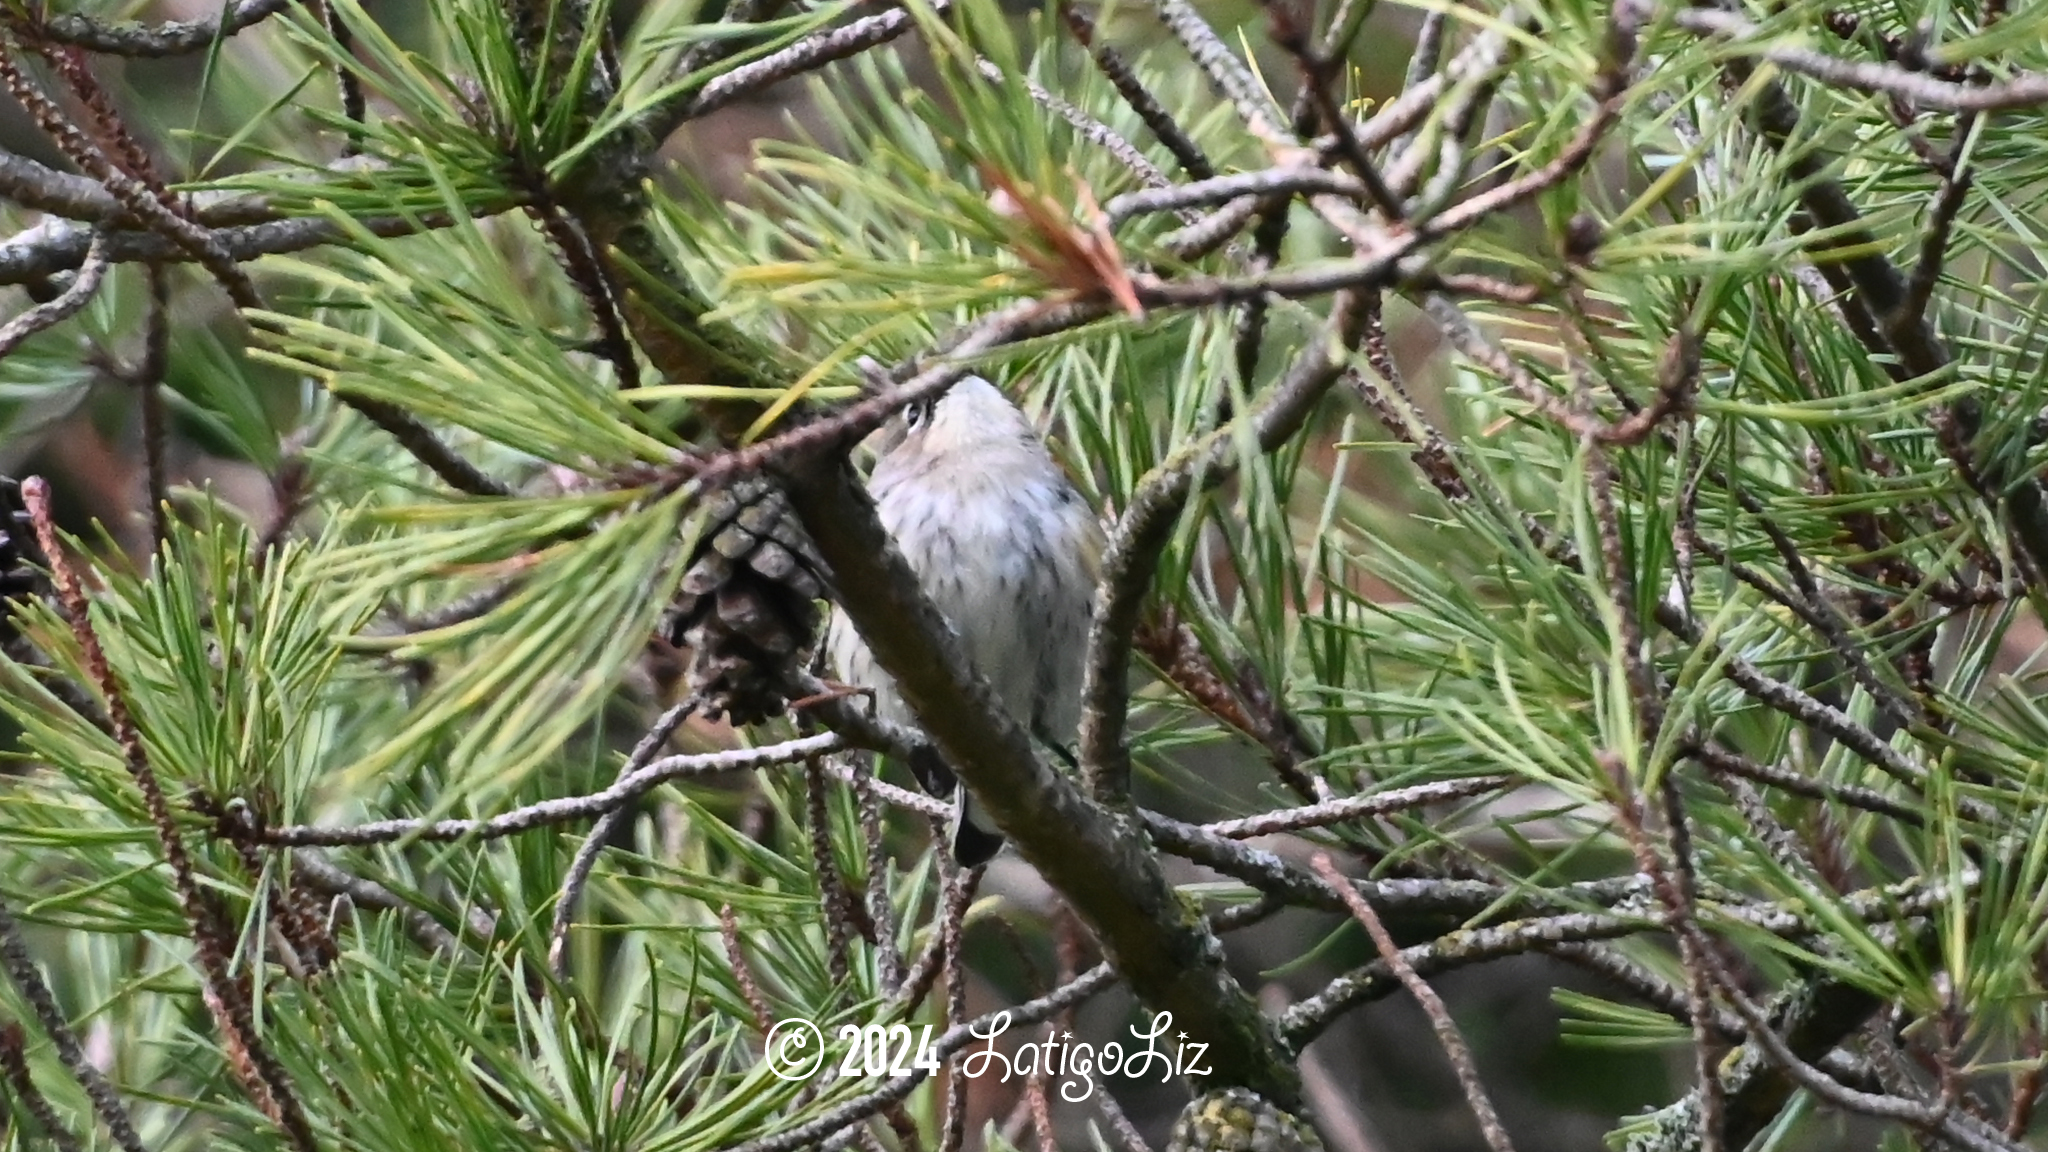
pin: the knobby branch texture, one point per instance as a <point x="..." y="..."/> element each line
<point x="1581" y="503"/>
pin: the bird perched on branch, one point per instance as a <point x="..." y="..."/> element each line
<point x="1007" y="550"/>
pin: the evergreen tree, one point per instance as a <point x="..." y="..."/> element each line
<point x="1677" y="621"/>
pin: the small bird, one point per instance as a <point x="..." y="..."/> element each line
<point x="1007" y="550"/>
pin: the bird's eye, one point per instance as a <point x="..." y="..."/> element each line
<point x="916" y="414"/>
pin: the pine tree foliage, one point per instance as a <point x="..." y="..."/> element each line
<point x="1679" y="619"/>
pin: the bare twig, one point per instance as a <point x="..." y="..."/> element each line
<point x="1734" y="764"/>
<point x="1268" y="182"/>
<point x="1354" y="808"/>
<point x="881" y="903"/>
<point x="655" y="739"/>
<point x="1321" y="76"/>
<point x="419" y="924"/>
<point x="1111" y="62"/>
<point x="1041" y="1110"/>
<point x="959" y="886"/>
<point x="742" y="973"/>
<point x="1676" y="888"/>
<point x="1092" y="130"/>
<point x="417" y="439"/>
<point x="245" y="227"/>
<point x="2023" y="91"/>
<point x="14" y="1067"/>
<point x="1127" y="1135"/>
<point x="1446" y="1029"/>
<point x="73" y="300"/>
<point x="1227" y="74"/>
<point x="1677" y="378"/>
<point x="1147" y="525"/>
<point x="1302" y="1023"/>
<point x="346" y="82"/>
<point x="837" y="902"/>
<point x="1956" y="181"/>
<point x="1244" y="702"/>
<point x="804" y="56"/>
<point x="226" y="999"/>
<point x="29" y="983"/>
<point x="1611" y="965"/>
<point x="548" y="812"/>
<point x="149" y="378"/>
<point x="173" y="38"/>
<point x="151" y="206"/>
<point x="952" y="937"/>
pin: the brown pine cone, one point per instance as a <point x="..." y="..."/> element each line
<point x="1239" y="1120"/>
<point x="748" y="606"/>
<point x="19" y="555"/>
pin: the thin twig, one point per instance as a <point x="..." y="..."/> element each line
<point x="959" y="886"/>
<point x="836" y="904"/>
<point x="1734" y="764"/>
<point x="548" y="812"/>
<point x="1611" y="965"/>
<point x="1354" y="808"/>
<point x="346" y="82"/>
<point x="1440" y="1020"/>
<point x="1949" y="199"/>
<point x="1320" y="75"/>
<point x="425" y="930"/>
<point x="742" y="973"/>
<point x="1244" y="702"/>
<point x="804" y="56"/>
<point x="1267" y="182"/>
<point x="28" y="982"/>
<point x="73" y="300"/>
<point x="226" y="999"/>
<point x="1041" y="1110"/>
<point x="56" y="245"/>
<point x="146" y="204"/>
<point x="580" y="866"/>
<point x="1192" y="160"/>
<point x="1092" y="130"/>
<point x="881" y="903"/>
<point x="1127" y="1135"/>
<point x="1679" y="890"/>
<point x="1147" y="525"/>
<point x="14" y="1067"/>
<point x="416" y="438"/>
<point x="952" y="937"/>
<point x="1227" y="74"/>
<point x="1302" y="1023"/>
<point x="149" y="378"/>
<point x="2023" y="91"/>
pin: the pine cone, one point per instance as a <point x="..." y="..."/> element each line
<point x="19" y="555"/>
<point x="1239" y="1120"/>
<point x="748" y="606"/>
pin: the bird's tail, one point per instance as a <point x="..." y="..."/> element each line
<point x="973" y="839"/>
